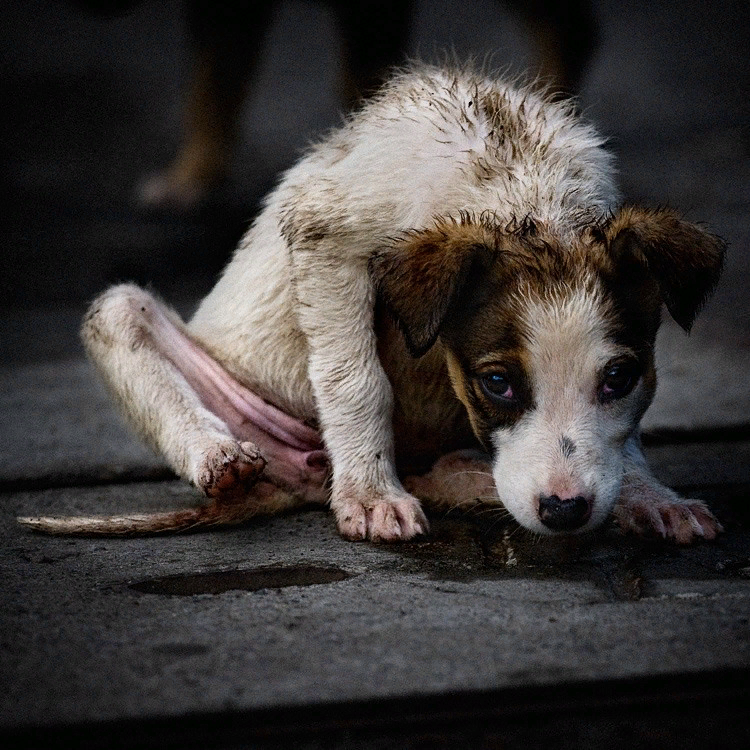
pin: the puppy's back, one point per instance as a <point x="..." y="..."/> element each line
<point x="438" y="141"/>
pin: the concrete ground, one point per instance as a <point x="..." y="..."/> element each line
<point x="279" y="633"/>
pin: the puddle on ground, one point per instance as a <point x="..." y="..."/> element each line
<point x="255" y="579"/>
<point x="464" y="548"/>
<point x="486" y="546"/>
<point x="467" y="549"/>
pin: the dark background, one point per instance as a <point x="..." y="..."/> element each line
<point x="91" y="104"/>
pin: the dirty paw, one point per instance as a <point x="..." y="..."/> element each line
<point x="679" y="519"/>
<point x="229" y="470"/>
<point x="389" y="519"/>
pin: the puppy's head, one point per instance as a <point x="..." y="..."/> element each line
<point x="550" y="342"/>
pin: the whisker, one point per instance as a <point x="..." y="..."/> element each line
<point x="481" y="510"/>
<point x="494" y="524"/>
<point x="462" y="506"/>
<point x="487" y="508"/>
<point x="535" y="536"/>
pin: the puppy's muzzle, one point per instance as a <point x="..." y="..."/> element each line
<point x="564" y="514"/>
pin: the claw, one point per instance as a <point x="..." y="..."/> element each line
<point x="389" y="519"/>
<point x="659" y="510"/>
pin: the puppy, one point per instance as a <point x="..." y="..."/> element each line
<point x="441" y="296"/>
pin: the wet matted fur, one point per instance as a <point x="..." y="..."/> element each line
<point x="442" y="300"/>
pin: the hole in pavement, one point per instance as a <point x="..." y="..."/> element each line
<point x="191" y="584"/>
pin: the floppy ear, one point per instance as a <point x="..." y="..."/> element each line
<point x="422" y="274"/>
<point x="685" y="260"/>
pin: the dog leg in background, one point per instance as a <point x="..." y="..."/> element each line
<point x="228" y="46"/>
<point x="336" y="304"/>
<point x="646" y="506"/>
<point x="213" y="431"/>
<point x="565" y="35"/>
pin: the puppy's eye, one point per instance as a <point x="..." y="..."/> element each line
<point x="497" y="387"/>
<point x="618" y="380"/>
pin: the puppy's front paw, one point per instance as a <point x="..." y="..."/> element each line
<point x="388" y="518"/>
<point x="666" y="514"/>
<point x="229" y="470"/>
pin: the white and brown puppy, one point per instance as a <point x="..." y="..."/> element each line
<point x="443" y="285"/>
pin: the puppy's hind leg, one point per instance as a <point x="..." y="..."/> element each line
<point x="457" y="481"/>
<point x="148" y="362"/>
<point x="134" y="341"/>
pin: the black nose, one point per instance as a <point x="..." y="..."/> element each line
<point x="564" y="515"/>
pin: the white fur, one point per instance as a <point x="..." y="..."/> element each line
<point x="406" y="158"/>
<point x="292" y="317"/>
<point x="567" y="350"/>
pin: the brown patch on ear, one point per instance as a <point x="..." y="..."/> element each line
<point x="422" y="274"/>
<point x="685" y="260"/>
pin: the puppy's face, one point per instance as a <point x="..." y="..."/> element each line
<point x="550" y="343"/>
<point x="555" y="373"/>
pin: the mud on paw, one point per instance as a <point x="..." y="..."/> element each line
<point x="230" y="470"/>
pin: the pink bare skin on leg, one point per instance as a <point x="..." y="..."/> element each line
<point x="256" y="460"/>
<point x="293" y="451"/>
